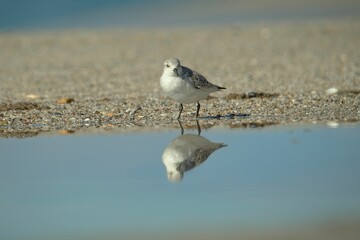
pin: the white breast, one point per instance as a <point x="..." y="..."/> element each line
<point x="179" y="90"/>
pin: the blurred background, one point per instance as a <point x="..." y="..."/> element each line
<point x="49" y="14"/>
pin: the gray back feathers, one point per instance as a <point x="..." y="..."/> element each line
<point x="197" y="80"/>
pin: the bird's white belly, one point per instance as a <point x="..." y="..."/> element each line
<point x="179" y="90"/>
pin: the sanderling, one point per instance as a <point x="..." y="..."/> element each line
<point x="185" y="85"/>
<point x="186" y="152"/>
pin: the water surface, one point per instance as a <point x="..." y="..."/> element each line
<point x="117" y="186"/>
<point x="66" y="14"/>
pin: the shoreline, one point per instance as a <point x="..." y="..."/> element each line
<point x="129" y="115"/>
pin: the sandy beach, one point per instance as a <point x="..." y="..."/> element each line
<point x="275" y="73"/>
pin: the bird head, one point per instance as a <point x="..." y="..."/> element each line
<point x="175" y="176"/>
<point x="172" y="66"/>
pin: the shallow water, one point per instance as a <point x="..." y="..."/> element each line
<point x="54" y="14"/>
<point x="276" y="179"/>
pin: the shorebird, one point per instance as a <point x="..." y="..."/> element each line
<point x="185" y="85"/>
<point x="186" y="152"/>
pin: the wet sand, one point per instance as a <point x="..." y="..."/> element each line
<point x="275" y="73"/>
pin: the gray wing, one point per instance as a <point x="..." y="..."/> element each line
<point x="197" y="158"/>
<point x="196" y="79"/>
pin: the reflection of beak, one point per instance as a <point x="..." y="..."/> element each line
<point x="175" y="71"/>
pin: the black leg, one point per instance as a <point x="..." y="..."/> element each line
<point x="198" y="127"/>
<point x="182" y="129"/>
<point x="181" y="108"/>
<point x="198" y="109"/>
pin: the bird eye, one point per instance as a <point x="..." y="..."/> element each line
<point x="167" y="65"/>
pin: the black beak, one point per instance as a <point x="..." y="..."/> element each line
<point x="175" y="71"/>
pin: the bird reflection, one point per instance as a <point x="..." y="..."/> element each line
<point x="186" y="152"/>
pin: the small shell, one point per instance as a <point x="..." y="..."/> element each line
<point x="331" y="91"/>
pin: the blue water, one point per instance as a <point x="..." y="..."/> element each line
<point x="60" y="14"/>
<point x="67" y="187"/>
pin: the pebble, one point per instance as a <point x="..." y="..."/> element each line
<point x="32" y="96"/>
<point x="65" y="100"/>
<point x="331" y="91"/>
